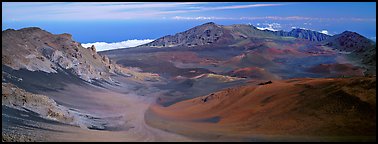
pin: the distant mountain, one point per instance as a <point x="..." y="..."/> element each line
<point x="349" y="41"/>
<point x="35" y="49"/>
<point x="211" y="33"/>
<point x="303" y="34"/>
<point x="245" y="51"/>
<point x="361" y="49"/>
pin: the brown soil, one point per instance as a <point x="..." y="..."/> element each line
<point x="336" y="108"/>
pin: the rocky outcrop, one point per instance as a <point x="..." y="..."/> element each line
<point x="38" y="50"/>
<point x="93" y="48"/>
<point x="47" y="108"/>
<point x="15" y="97"/>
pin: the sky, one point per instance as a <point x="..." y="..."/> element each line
<point x="125" y="24"/>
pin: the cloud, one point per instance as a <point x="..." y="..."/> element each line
<point x="102" y="46"/>
<point x="241" y="6"/>
<point x="270" y="26"/>
<point x="307" y="23"/>
<point x="374" y="38"/>
<point x="324" y="32"/>
<point x="87" y="10"/>
<point x="288" y="18"/>
<point x="22" y="11"/>
<point x="110" y="10"/>
<point x="201" y="18"/>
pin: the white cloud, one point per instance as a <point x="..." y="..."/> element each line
<point x="241" y="6"/>
<point x="201" y="18"/>
<point x="102" y="46"/>
<point x="324" y="32"/>
<point x="307" y="23"/>
<point x="374" y="38"/>
<point x="134" y="10"/>
<point x="301" y="28"/>
<point x="271" y="27"/>
<point x="110" y="10"/>
<point x="289" y="18"/>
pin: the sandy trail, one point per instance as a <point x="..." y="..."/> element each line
<point x="127" y="107"/>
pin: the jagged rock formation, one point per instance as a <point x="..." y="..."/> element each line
<point x="38" y="50"/>
<point x="303" y="34"/>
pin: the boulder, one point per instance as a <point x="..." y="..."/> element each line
<point x="264" y="83"/>
<point x="93" y="48"/>
<point x="105" y="59"/>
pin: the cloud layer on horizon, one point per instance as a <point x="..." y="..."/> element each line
<point x="102" y="46"/>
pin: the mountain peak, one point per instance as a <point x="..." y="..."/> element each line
<point x="66" y="35"/>
<point x="350" y="33"/>
<point x="242" y="25"/>
<point x="209" y="23"/>
<point x="349" y="41"/>
<point x="31" y="29"/>
<point x="206" y="33"/>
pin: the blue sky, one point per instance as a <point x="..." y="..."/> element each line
<point x="120" y="21"/>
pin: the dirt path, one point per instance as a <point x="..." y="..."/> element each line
<point x="139" y="131"/>
<point x="124" y="112"/>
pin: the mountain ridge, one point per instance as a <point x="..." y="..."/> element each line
<point x="212" y="33"/>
